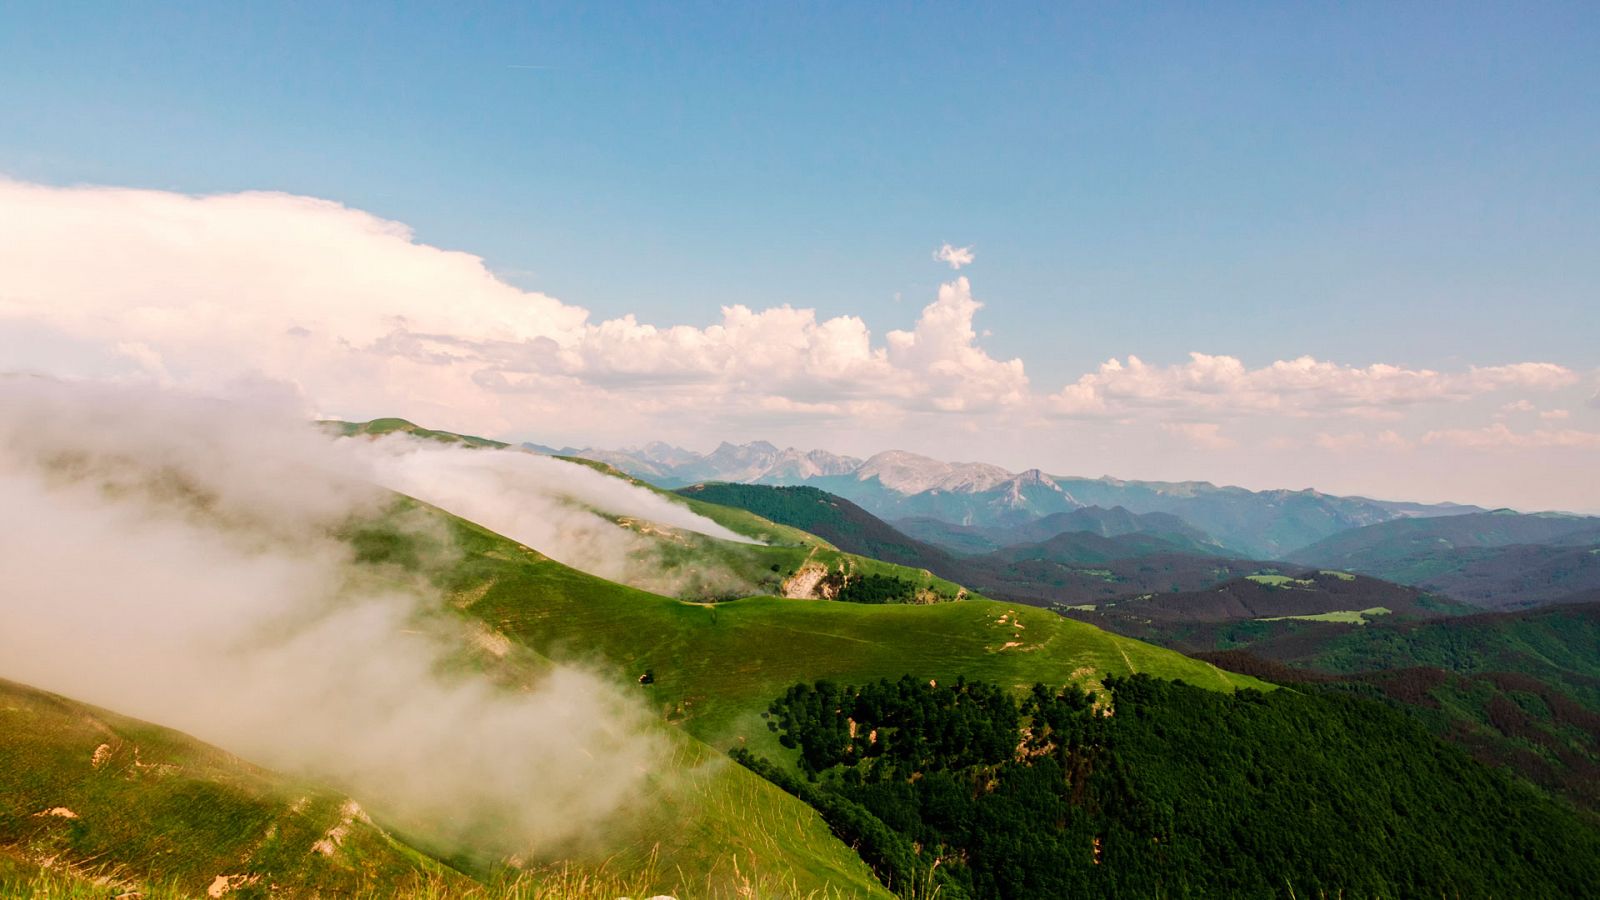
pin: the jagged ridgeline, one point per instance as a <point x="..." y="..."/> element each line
<point x="168" y="813"/>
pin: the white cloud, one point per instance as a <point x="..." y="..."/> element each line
<point x="942" y="351"/>
<point x="955" y="257"/>
<point x="196" y="290"/>
<point x="1517" y="406"/>
<point x="1345" y="442"/>
<point x="1499" y="437"/>
<point x="363" y="320"/>
<point x="1340" y="442"/>
<point x="1393" y="440"/>
<point x="1299" y="387"/>
<point x="1555" y="415"/>
<point x="1201" y="435"/>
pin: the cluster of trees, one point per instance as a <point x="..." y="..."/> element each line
<point x="872" y="588"/>
<point x="1519" y="690"/>
<point x="894" y="729"/>
<point x="1176" y="792"/>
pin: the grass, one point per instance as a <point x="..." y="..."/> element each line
<point x="380" y="427"/>
<point x="121" y="799"/>
<point x="27" y="880"/>
<point x="786" y="547"/>
<point x="1347" y="616"/>
<point x="716" y="667"/>
<point x="1279" y="580"/>
<point x="164" y="809"/>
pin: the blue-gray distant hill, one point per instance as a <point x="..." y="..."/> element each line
<point x="1109" y="523"/>
<point x="1066" y="568"/>
<point x="1493" y="560"/>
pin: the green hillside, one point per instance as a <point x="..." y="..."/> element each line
<point x="786" y="561"/>
<point x="99" y="797"/>
<point x="1494" y="560"/>
<point x="708" y="828"/>
<point x="1258" y="608"/>
<point x="1066" y="568"/>
<point x="715" y="667"/>
<point x="826" y="515"/>
<point x="1182" y="793"/>
<point x="1520" y="690"/>
<point x="380" y="427"/>
<point x="84" y="787"/>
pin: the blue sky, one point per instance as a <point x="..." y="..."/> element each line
<point x="1366" y="184"/>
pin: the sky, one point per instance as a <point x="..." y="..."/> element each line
<point x="1347" y="247"/>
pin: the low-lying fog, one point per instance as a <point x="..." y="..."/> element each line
<point x="176" y="559"/>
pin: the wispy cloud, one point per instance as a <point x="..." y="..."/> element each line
<point x="1500" y="437"/>
<point x="1201" y="435"/>
<point x="955" y="257"/>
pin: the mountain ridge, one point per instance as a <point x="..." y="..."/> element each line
<point x="900" y="484"/>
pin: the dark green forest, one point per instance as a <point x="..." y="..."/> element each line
<point x="1161" y="789"/>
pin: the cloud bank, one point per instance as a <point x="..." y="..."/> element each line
<point x="190" y="290"/>
<point x="1300" y="387"/>
<point x="178" y="560"/>
<point x="197" y="291"/>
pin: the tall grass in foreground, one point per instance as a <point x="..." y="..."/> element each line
<point x="559" y="883"/>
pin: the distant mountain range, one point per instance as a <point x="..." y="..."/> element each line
<point x="1079" y="564"/>
<point x="898" y="485"/>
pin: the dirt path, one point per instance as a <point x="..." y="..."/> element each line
<point x="1131" y="669"/>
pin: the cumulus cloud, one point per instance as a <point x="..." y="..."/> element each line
<point x="196" y="291"/>
<point x="180" y="560"/>
<point x="955" y="257"/>
<point x="942" y="351"/>
<point x="193" y="290"/>
<point x="1302" y="386"/>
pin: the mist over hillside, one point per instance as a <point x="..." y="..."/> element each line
<point x="190" y="562"/>
<point x="526" y="451"/>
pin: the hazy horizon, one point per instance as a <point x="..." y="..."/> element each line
<point x="1341" y="249"/>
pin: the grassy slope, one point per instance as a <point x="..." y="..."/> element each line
<point x="721" y="562"/>
<point x="717" y="667"/>
<point x="380" y="427"/>
<point x="718" y="831"/>
<point x="787" y="547"/>
<point x="156" y="805"/>
<point x="843" y="523"/>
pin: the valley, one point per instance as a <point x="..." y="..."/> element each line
<point x="824" y="594"/>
